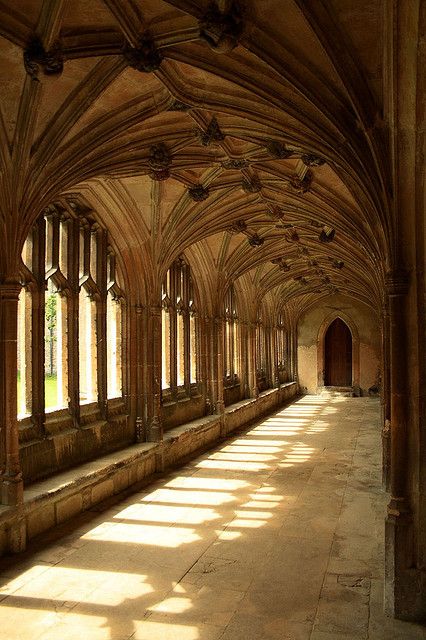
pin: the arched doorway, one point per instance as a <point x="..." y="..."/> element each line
<point x="338" y="355"/>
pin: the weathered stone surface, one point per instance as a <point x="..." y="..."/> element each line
<point x="69" y="507"/>
<point x="40" y="520"/>
<point x="230" y="546"/>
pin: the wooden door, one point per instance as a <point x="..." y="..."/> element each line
<point x="338" y="355"/>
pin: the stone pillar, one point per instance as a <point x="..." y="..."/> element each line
<point x="252" y="365"/>
<point x="293" y="351"/>
<point x="137" y="352"/>
<point x="207" y="339"/>
<point x="155" y="427"/>
<point x="274" y="358"/>
<point x="398" y="530"/>
<point x="11" y="474"/>
<point x="219" y="345"/>
<point x="385" y="396"/>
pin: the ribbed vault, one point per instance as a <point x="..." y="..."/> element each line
<point x="253" y="143"/>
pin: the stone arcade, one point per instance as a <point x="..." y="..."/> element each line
<point x="207" y="208"/>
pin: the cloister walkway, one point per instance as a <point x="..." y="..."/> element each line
<point x="276" y="534"/>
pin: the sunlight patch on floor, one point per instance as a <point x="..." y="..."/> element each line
<point x="146" y="535"/>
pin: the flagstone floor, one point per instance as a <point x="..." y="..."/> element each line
<point x="277" y="534"/>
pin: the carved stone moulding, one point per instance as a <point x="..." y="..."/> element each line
<point x="160" y="175"/>
<point x="199" y="193"/>
<point x="303" y="251"/>
<point x="235" y="164"/>
<point x="159" y="161"/>
<point x="281" y="263"/>
<point x="255" y="240"/>
<point x="211" y="134"/>
<point x="301" y="185"/>
<point x="397" y="282"/>
<point x="177" y="105"/>
<point x="275" y="212"/>
<point x="292" y="236"/>
<point x="145" y="56"/>
<point x="35" y="57"/>
<point x="278" y="150"/>
<point x="337" y="264"/>
<point x="221" y="25"/>
<point x="251" y="185"/>
<point x="327" y="234"/>
<point x="309" y="160"/>
<point x="238" y="227"/>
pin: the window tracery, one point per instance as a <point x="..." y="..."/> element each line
<point x="179" y="331"/>
<point x="231" y="339"/>
<point x="70" y="315"/>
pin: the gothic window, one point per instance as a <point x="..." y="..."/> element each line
<point x="231" y="339"/>
<point x="179" y="331"/>
<point x="69" y="315"/>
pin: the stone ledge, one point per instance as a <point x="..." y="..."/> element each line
<point x="50" y="502"/>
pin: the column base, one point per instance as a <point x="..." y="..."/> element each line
<point x="12" y="490"/>
<point x="405" y="585"/>
<point x="155" y="431"/>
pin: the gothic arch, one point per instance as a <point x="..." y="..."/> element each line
<point x="321" y="347"/>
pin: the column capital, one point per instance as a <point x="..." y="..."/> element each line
<point x="10" y="290"/>
<point x="397" y="282"/>
<point x="155" y="310"/>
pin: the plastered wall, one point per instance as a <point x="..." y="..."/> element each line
<point x="361" y="318"/>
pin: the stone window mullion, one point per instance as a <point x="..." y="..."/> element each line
<point x="101" y="320"/>
<point x="73" y="320"/>
<point x="173" y="332"/>
<point x="37" y="325"/>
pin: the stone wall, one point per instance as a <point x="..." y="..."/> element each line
<point x="51" y="502"/>
<point x="362" y="321"/>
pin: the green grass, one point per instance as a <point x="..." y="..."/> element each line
<point x="50" y="391"/>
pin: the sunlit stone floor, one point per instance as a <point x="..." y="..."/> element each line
<point x="276" y="534"/>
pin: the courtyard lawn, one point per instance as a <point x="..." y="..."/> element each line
<point x="50" y="390"/>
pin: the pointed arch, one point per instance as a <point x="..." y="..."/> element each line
<point x="338" y="314"/>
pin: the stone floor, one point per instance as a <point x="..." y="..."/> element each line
<point x="276" y="534"/>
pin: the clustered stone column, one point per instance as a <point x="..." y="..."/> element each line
<point x="251" y="355"/>
<point x="11" y="475"/>
<point x="385" y="396"/>
<point x="398" y="522"/>
<point x="274" y="358"/>
<point x="218" y="341"/>
<point x="155" y="429"/>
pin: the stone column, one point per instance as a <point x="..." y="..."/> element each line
<point x="218" y="350"/>
<point x="274" y="358"/>
<point x="385" y="397"/>
<point x="207" y="340"/>
<point x="398" y="538"/>
<point x="11" y="474"/>
<point x="293" y="351"/>
<point x="251" y="362"/>
<point x="137" y="352"/>
<point x="155" y="428"/>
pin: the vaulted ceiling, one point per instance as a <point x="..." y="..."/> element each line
<point x="246" y="134"/>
